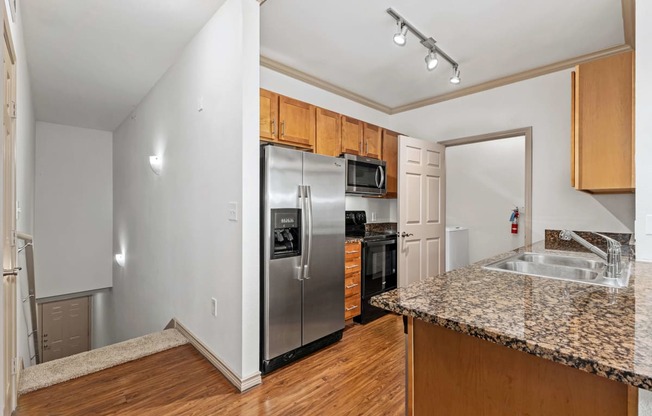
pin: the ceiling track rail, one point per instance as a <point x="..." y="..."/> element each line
<point x="428" y="42"/>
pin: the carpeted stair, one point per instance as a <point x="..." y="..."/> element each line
<point x="64" y="369"/>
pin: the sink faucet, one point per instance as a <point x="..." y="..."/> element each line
<point x="612" y="256"/>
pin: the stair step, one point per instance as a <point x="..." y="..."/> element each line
<point x="78" y="365"/>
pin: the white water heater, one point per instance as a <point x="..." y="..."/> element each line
<point x="457" y="247"/>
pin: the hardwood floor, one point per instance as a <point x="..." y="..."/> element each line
<point x="364" y="374"/>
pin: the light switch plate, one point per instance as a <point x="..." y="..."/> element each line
<point x="233" y="211"/>
<point x="648" y="224"/>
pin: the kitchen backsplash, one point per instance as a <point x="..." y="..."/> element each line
<point x="553" y="242"/>
<point x="380" y="227"/>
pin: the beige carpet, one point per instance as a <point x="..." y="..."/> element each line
<point x="64" y="369"/>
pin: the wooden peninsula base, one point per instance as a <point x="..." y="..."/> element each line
<point x="454" y="374"/>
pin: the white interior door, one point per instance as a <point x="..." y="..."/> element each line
<point x="8" y="172"/>
<point x="421" y="210"/>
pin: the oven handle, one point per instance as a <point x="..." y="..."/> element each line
<point x="379" y="243"/>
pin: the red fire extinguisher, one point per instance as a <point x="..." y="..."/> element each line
<point x="514" y="220"/>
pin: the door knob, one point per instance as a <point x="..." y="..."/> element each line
<point x="404" y="234"/>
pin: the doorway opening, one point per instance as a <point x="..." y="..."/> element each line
<point x="488" y="181"/>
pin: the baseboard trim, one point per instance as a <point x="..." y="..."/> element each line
<point x="240" y="384"/>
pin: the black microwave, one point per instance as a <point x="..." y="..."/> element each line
<point x="365" y="176"/>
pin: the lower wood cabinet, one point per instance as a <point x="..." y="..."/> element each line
<point x="352" y="283"/>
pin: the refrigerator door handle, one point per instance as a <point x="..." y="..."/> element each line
<point x="308" y="204"/>
<point x="302" y="207"/>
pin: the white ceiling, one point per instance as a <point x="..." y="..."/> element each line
<point x="92" y="61"/>
<point x="349" y="43"/>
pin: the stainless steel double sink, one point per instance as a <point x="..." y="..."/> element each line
<point x="560" y="267"/>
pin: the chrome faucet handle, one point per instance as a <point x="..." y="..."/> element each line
<point x="565" y="235"/>
<point x="611" y="243"/>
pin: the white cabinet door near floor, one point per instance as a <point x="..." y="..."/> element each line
<point x="421" y="210"/>
<point x="65" y="327"/>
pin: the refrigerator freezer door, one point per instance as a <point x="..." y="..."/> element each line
<point x="323" y="289"/>
<point x="282" y="288"/>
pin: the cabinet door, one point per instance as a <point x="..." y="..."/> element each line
<point x="328" y="141"/>
<point x="268" y="115"/>
<point x="390" y="156"/>
<point x="297" y="125"/>
<point x="372" y="141"/>
<point x="604" y="125"/>
<point x="351" y="136"/>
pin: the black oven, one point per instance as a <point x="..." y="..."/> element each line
<point x="379" y="272"/>
<point x="364" y="175"/>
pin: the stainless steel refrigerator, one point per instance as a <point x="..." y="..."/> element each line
<point x="302" y="249"/>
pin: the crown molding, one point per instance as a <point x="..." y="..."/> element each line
<point x="319" y="83"/>
<point x="521" y="76"/>
<point x="629" y="22"/>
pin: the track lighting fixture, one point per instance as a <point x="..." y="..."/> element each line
<point x="400" y="38"/>
<point x="431" y="60"/>
<point x="455" y="79"/>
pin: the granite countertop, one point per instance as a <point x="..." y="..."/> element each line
<point x="596" y="329"/>
<point x="353" y="240"/>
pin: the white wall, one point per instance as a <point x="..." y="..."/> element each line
<point x="643" y="129"/>
<point x="74" y="209"/>
<point x="181" y="250"/>
<point x="643" y="149"/>
<point x="282" y="84"/>
<point x="484" y="183"/>
<point x="544" y="104"/>
<point x="383" y="209"/>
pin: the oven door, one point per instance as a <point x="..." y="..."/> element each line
<point x="378" y="267"/>
<point x="365" y="176"/>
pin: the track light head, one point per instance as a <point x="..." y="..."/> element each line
<point x="431" y="60"/>
<point x="455" y="79"/>
<point x="400" y="37"/>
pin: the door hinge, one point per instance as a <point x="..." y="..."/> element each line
<point x="13" y="109"/>
<point x="14" y="365"/>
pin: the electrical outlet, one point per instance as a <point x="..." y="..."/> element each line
<point x="213" y="306"/>
<point x="373" y="216"/>
<point x="233" y="211"/>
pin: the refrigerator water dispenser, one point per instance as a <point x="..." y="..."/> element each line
<point x="286" y="233"/>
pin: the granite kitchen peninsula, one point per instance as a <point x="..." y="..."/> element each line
<point x="486" y="342"/>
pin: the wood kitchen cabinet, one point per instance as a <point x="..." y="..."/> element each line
<point x="352" y="131"/>
<point x="390" y="156"/>
<point x="297" y="122"/>
<point x="285" y="120"/>
<point x="372" y="141"/>
<point x="329" y="133"/>
<point x="602" y="125"/>
<point x="268" y="115"/>
<point x="352" y="284"/>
